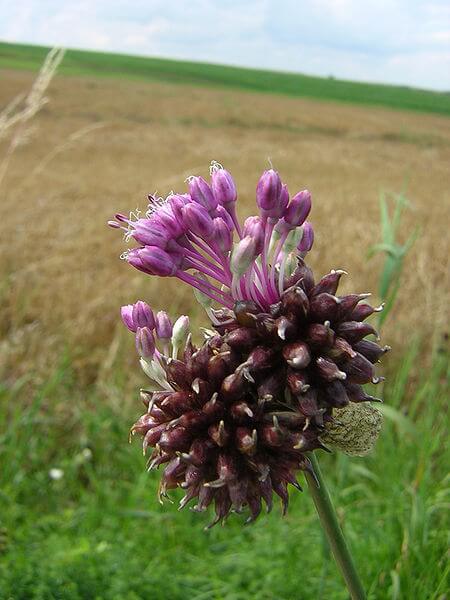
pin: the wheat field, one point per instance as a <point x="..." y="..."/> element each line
<point x="101" y="145"/>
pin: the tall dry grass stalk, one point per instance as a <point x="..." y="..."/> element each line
<point x="17" y="129"/>
<point x="16" y="118"/>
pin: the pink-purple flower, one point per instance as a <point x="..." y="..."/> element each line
<point x="196" y="237"/>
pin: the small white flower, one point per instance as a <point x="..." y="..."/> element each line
<point x="56" y="474"/>
<point x="86" y="453"/>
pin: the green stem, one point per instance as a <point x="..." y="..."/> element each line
<point x="330" y="524"/>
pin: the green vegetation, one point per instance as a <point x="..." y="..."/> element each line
<point x="394" y="251"/>
<point x="77" y="62"/>
<point x="98" y="532"/>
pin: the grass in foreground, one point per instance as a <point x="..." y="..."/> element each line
<point x="79" y="62"/>
<point x="99" y="532"/>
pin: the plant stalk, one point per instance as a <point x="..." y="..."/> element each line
<point x="333" y="531"/>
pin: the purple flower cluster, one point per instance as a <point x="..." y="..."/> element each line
<point x="197" y="238"/>
<point x="157" y="339"/>
<point x="232" y="420"/>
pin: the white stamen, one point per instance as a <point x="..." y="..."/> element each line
<point x="155" y="204"/>
<point x="133" y="217"/>
<point x="215" y="166"/>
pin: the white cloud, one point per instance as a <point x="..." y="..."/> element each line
<point x="395" y="41"/>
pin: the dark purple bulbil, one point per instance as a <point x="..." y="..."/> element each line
<point x="249" y="404"/>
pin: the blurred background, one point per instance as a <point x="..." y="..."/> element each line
<point x="349" y="100"/>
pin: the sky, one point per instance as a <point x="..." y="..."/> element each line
<point x="394" y="41"/>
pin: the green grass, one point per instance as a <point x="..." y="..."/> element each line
<point x="77" y="62"/>
<point x="99" y="532"/>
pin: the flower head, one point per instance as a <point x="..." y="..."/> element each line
<point x="235" y="418"/>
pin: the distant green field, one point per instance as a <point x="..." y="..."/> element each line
<point x="77" y="62"/>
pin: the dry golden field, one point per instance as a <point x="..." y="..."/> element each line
<point x="61" y="280"/>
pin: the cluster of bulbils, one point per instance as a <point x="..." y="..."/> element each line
<point x="234" y="419"/>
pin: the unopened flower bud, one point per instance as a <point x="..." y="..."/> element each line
<point x="176" y="203"/>
<point x="147" y="233"/>
<point x="223" y="236"/>
<point x="273" y="435"/>
<point x="298" y="209"/>
<point x="163" y="326"/>
<point x="268" y="192"/>
<point x="197" y="219"/>
<point x="225" y="215"/>
<point x="170" y="220"/>
<point x="254" y="227"/>
<point x="347" y="303"/>
<point x="223" y="186"/>
<point x="307" y="240"/>
<point x="245" y="312"/>
<point x="284" y="198"/>
<point x="226" y="467"/>
<point x="145" y="342"/>
<point x="244" y="253"/>
<point x="126" y="312"/>
<point x="180" y="333"/>
<point x="143" y="315"/>
<point x="153" y="260"/>
<point x="202" y="193"/>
